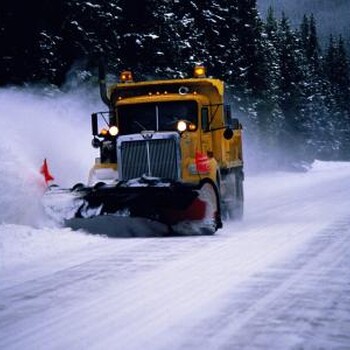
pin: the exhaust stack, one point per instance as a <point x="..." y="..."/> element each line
<point x="102" y="82"/>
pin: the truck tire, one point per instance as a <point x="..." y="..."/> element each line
<point x="213" y="221"/>
<point x="233" y="196"/>
<point x="208" y="195"/>
<point x="238" y="205"/>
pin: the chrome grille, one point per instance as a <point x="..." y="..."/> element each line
<point x="162" y="153"/>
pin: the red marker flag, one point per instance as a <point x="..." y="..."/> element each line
<point x="202" y="162"/>
<point x="44" y="170"/>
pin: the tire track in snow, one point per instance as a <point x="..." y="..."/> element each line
<point x="265" y="311"/>
<point x="112" y="263"/>
<point x="143" y="309"/>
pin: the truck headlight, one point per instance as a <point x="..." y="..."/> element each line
<point x="181" y="126"/>
<point x="113" y="130"/>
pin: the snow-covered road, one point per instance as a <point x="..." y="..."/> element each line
<point x="278" y="280"/>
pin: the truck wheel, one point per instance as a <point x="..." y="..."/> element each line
<point x="208" y="193"/>
<point x="233" y="197"/>
<point x="204" y="212"/>
<point x="238" y="206"/>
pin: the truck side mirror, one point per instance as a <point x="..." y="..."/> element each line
<point x="94" y="124"/>
<point x="236" y="125"/>
<point x="228" y="133"/>
<point x="228" y="118"/>
<point x="95" y="143"/>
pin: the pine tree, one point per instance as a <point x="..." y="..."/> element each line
<point x="291" y="91"/>
<point x="343" y="81"/>
<point x="254" y="79"/>
<point x="23" y="57"/>
<point x="232" y="52"/>
<point x="212" y="17"/>
<point x="208" y="33"/>
<point x="337" y="72"/>
<point x="91" y="29"/>
<point x="316" y="114"/>
<point x="313" y="47"/>
<point x="340" y="77"/>
<point x="180" y="40"/>
<point x="274" y="119"/>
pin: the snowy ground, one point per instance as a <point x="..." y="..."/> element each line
<point x="278" y="280"/>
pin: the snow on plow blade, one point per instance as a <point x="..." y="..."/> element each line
<point x="183" y="208"/>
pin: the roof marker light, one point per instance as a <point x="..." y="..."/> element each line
<point x="126" y="76"/>
<point x="199" y="72"/>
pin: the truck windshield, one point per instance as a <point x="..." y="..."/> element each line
<point x="160" y="116"/>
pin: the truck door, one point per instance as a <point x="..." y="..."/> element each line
<point x="206" y="136"/>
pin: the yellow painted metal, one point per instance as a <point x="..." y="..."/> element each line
<point x="208" y="93"/>
<point x="201" y="84"/>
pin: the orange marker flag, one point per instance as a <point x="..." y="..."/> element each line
<point x="44" y="170"/>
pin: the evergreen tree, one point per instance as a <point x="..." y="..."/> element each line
<point x="254" y="80"/>
<point x="330" y="58"/>
<point x="274" y="119"/>
<point x="134" y="31"/>
<point x="232" y="52"/>
<point x="21" y="58"/>
<point x="204" y="31"/>
<point x="291" y="91"/>
<point x="305" y="33"/>
<point x="91" y="29"/>
<point x="315" y="113"/>
<point x="337" y="72"/>
<point x="343" y="82"/>
<point x="252" y="61"/>
<point x="212" y="17"/>
<point x="340" y="77"/>
<point x="179" y="41"/>
<point x="313" y="47"/>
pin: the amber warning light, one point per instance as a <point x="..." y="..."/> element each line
<point x="126" y="77"/>
<point x="199" y="72"/>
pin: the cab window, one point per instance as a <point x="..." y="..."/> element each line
<point x="161" y="116"/>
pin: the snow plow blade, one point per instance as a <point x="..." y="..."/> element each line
<point x="183" y="208"/>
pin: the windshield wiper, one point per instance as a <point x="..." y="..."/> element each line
<point x="140" y="125"/>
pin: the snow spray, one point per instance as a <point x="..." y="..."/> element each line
<point x="38" y="123"/>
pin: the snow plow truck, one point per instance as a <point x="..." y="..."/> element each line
<point x="169" y="151"/>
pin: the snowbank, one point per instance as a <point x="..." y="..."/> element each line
<point x="24" y="245"/>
